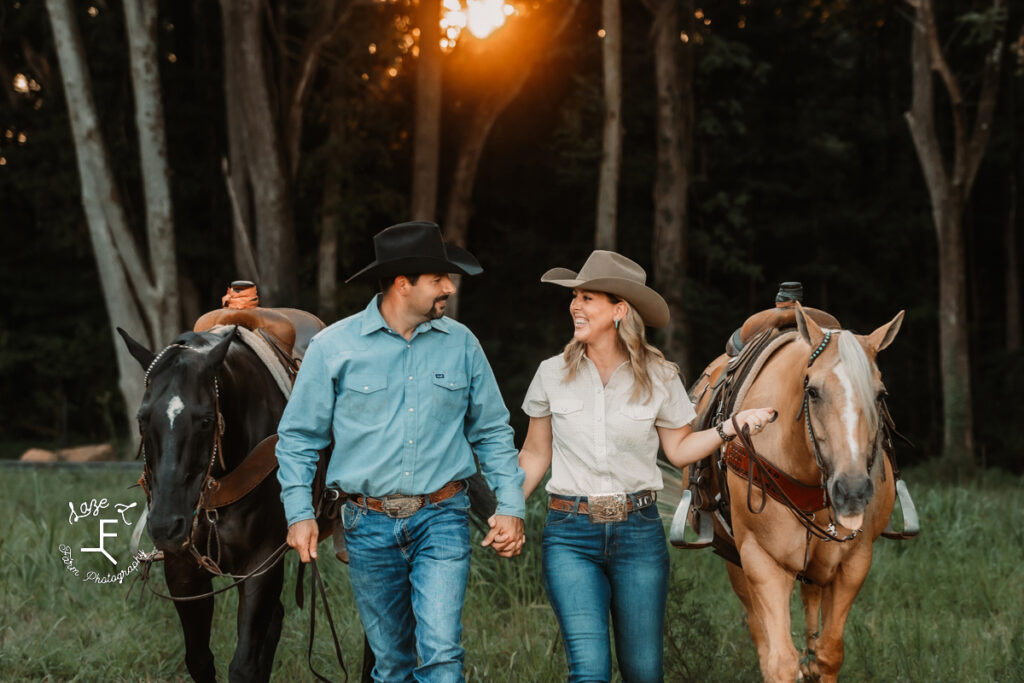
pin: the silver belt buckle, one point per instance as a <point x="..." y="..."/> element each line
<point x="400" y="507"/>
<point x="608" y="507"/>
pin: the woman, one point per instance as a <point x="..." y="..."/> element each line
<point x="598" y="413"/>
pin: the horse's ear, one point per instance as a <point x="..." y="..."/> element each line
<point x="884" y="335"/>
<point x="138" y="351"/>
<point x="216" y="355"/>
<point x="808" y="329"/>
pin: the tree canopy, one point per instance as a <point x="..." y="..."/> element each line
<point x="801" y="167"/>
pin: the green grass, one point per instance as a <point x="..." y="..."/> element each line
<point x="946" y="606"/>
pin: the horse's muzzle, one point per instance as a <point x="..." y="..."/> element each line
<point x="170" y="533"/>
<point x="850" y="495"/>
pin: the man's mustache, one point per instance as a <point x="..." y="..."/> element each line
<point x="441" y="298"/>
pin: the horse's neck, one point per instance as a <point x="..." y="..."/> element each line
<point x="779" y="385"/>
<point x="250" y="402"/>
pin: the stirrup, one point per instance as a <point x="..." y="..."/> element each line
<point x="911" y="523"/>
<point x="677" y="532"/>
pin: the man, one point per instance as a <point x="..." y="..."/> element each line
<point x="408" y="396"/>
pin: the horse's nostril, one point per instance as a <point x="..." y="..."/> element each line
<point x="178" y="526"/>
<point x="169" y="532"/>
<point x="852" y="491"/>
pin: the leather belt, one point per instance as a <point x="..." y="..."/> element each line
<point x="605" y="508"/>
<point x="399" y="506"/>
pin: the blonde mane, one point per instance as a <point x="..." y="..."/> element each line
<point x="858" y="369"/>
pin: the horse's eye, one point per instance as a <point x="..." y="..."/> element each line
<point x="207" y="421"/>
<point x="812" y="393"/>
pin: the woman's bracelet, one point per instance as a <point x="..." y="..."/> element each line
<point x="721" y="432"/>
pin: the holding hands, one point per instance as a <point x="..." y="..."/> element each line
<point x="506" y="536"/>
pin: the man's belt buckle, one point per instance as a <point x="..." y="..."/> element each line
<point x="400" y="507"/>
<point x="609" y="507"/>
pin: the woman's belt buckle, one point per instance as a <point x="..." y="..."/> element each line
<point x="607" y="507"/>
<point x="400" y="507"/>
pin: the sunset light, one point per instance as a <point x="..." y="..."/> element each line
<point x="480" y="17"/>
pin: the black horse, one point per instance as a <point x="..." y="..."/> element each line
<point x="209" y="401"/>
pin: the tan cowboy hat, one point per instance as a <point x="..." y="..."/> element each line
<point x="611" y="273"/>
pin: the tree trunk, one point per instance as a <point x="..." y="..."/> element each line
<point x="611" y="159"/>
<point x="1014" y="331"/>
<point x="671" y="186"/>
<point x="148" y="308"/>
<point x="958" y="430"/>
<point x="475" y="140"/>
<point x="949" y="191"/>
<point x="164" y="307"/>
<point x="1013" y="318"/>
<point x="466" y="164"/>
<point x="258" y="172"/>
<point x="427" y="133"/>
<point x="330" y="227"/>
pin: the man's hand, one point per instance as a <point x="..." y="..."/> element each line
<point x="303" y="537"/>
<point x="506" y="536"/>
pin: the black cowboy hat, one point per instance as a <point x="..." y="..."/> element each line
<point x="414" y="248"/>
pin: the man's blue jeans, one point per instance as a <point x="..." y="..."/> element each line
<point x="619" y="567"/>
<point x="409" y="579"/>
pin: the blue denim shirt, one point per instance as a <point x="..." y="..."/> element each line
<point x="406" y="416"/>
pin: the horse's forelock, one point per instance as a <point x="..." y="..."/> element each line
<point x="858" y="369"/>
<point x="199" y="342"/>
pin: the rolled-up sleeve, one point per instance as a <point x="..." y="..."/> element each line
<point x="488" y="432"/>
<point x="304" y="430"/>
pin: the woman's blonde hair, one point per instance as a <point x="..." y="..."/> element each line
<point x="644" y="358"/>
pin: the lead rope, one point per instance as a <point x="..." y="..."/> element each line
<point x="316" y="585"/>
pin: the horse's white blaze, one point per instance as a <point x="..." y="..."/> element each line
<point x="174" y="408"/>
<point x="850" y="418"/>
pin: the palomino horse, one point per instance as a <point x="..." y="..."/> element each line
<point x="209" y="401"/>
<point x="811" y="493"/>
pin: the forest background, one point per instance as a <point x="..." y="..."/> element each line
<point x="294" y="131"/>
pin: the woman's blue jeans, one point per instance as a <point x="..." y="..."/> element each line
<point x="621" y="568"/>
<point x="409" y="580"/>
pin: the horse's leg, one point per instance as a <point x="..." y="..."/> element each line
<point x="754" y="624"/>
<point x="835" y="608"/>
<point x="185" y="578"/>
<point x="810" y="595"/>
<point x="769" y="589"/>
<point x="259" y="626"/>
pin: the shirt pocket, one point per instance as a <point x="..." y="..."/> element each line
<point x="365" y="399"/>
<point x="450" y="397"/>
<point x="643" y="413"/>
<point x="566" y="409"/>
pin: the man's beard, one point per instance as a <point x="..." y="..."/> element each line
<point x="435" y="311"/>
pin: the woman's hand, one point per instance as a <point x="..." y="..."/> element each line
<point x="684" y="447"/>
<point x="756" y="419"/>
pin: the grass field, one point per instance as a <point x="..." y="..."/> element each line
<point x="946" y="606"/>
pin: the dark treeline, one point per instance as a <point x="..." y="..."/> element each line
<point x="803" y="168"/>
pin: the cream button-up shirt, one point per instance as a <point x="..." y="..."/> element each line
<point x="603" y="441"/>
